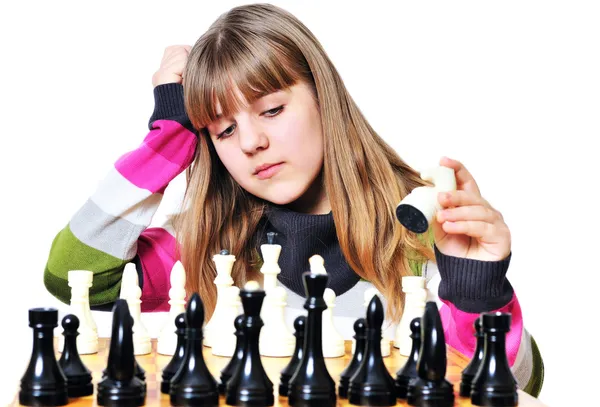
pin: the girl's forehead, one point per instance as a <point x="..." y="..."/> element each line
<point x="235" y="98"/>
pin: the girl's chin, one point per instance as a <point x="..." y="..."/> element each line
<point x="281" y="198"/>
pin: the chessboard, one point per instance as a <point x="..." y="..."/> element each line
<point x="153" y="363"/>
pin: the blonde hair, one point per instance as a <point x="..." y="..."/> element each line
<point x="261" y="49"/>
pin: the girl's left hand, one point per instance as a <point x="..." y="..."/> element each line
<point x="468" y="226"/>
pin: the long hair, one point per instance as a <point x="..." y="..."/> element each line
<point x="260" y="49"/>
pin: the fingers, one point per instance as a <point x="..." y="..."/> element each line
<point x="461" y="198"/>
<point x="469" y="213"/>
<point x="486" y="232"/>
<point x="172" y="65"/>
<point x="464" y="179"/>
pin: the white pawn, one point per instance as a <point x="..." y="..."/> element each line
<point x="231" y="302"/>
<point x="80" y="282"/>
<point x="167" y="339"/>
<point x="317" y="264"/>
<point x="224" y="264"/>
<point x="333" y="342"/>
<point x="385" y="341"/>
<point x="414" y="306"/>
<point x="131" y="292"/>
<point x="270" y="268"/>
<point x="275" y="338"/>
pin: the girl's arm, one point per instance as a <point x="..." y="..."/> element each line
<point x="470" y="287"/>
<point x="111" y="228"/>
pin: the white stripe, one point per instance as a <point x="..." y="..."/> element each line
<point x="118" y="197"/>
<point x="433" y="280"/>
<point x="523" y="366"/>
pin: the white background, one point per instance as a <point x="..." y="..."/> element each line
<point x="510" y="88"/>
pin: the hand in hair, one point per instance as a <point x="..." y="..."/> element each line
<point x="469" y="226"/>
<point x="172" y="65"/>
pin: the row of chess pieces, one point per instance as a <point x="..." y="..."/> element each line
<point x="305" y="381"/>
<point x="219" y="333"/>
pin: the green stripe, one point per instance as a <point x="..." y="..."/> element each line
<point x="69" y="253"/>
<point x="534" y="386"/>
<point x="416" y="261"/>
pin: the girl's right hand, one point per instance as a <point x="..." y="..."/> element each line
<point x="172" y="65"/>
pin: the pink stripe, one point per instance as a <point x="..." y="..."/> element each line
<point x="459" y="329"/>
<point x="166" y="151"/>
<point x="177" y="146"/>
<point x="157" y="252"/>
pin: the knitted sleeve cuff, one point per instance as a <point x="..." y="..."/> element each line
<point x="474" y="286"/>
<point x="169" y="105"/>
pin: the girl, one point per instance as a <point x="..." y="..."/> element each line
<point x="272" y="141"/>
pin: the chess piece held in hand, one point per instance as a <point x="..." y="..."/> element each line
<point x="416" y="211"/>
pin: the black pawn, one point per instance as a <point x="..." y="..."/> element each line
<point x="360" y="335"/>
<point x="43" y="383"/>
<point x="468" y="374"/>
<point x="409" y="370"/>
<point x="372" y="384"/>
<point x="494" y="384"/>
<point x="193" y="383"/>
<point x="238" y="354"/>
<point x="79" y="377"/>
<point x="120" y="387"/>
<point x="431" y="388"/>
<point x="290" y="369"/>
<point x="175" y="362"/>
<point x="250" y="385"/>
<point x="311" y="385"/>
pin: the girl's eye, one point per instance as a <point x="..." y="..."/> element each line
<point x="227" y="132"/>
<point x="274" y="112"/>
<point x="268" y="113"/>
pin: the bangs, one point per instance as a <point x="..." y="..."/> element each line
<point x="255" y="66"/>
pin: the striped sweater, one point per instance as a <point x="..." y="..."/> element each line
<point x="112" y="228"/>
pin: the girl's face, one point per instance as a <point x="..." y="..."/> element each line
<point x="274" y="148"/>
